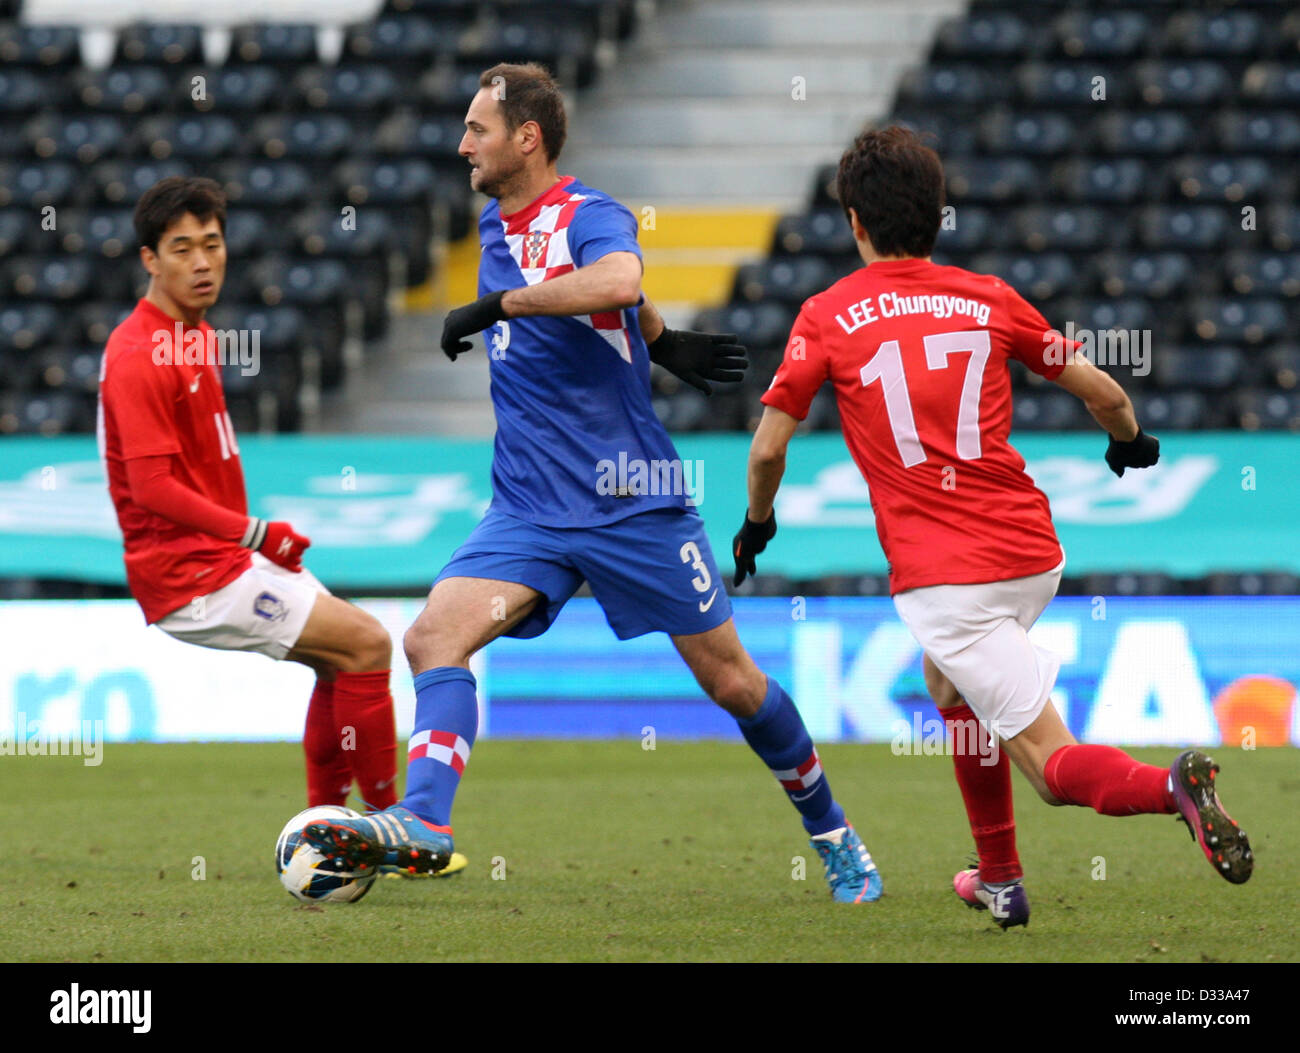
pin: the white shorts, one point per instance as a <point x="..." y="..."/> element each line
<point x="262" y="610"/>
<point x="978" y="637"/>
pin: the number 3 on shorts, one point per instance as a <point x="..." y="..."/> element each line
<point x="690" y="553"/>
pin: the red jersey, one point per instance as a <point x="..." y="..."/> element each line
<point x="149" y="408"/>
<point x="918" y="356"/>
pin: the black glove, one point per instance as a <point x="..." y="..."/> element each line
<point x="474" y="317"/>
<point x="698" y="358"/>
<point x="749" y="541"/>
<point x="1141" y="451"/>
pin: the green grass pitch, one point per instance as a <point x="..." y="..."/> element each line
<point x="610" y="852"/>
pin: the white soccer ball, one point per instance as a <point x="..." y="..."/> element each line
<point x="304" y="871"/>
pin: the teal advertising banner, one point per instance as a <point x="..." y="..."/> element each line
<point x="387" y="512"/>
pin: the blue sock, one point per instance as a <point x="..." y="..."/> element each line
<point x="777" y="734"/>
<point x="446" y="721"/>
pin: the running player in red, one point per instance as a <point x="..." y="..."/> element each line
<point x="202" y="569"/>
<point x="918" y="356"/>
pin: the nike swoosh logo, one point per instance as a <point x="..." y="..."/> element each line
<point x="705" y="606"/>
<point x="804" y="797"/>
<point x="195" y="386"/>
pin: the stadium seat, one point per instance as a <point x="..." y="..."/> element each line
<point x="199" y="137"/>
<point x="1263" y="274"/>
<point x="1155" y="275"/>
<point x="94" y="321"/>
<point x="759" y="325"/>
<point x="265" y="184"/>
<point x="284" y="45"/>
<point x="238" y="89"/>
<point x="1281" y="365"/>
<point x="1058" y="85"/>
<point x="122" y="182"/>
<point x="122" y="89"/>
<point x="1038" y="134"/>
<point x="1101" y="34"/>
<point x="1117" y="180"/>
<point x="1186" y="227"/>
<point x="1187" y="83"/>
<point x="1257" y="131"/>
<point x="1130" y="584"/>
<point x="990" y="179"/>
<point x="16" y="226"/>
<point x="1178" y="410"/>
<point x="825" y="232"/>
<point x="978" y="36"/>
<point x="1249" y="321"/>
<point x="1212" y="369"/>
<point x="1281" y="226"/>
<point x="34" y="184"/>
<point x="433" y="136"/>
<point x="788" y="280"/>
<point x="951" y="86"/>
<point x="160" y="44"/>
<point x="62" y="278"/>
<point x="26" y="326"/>
<point x="1268" y="410"/>
<point x="23" y="91"/>
<point x="74" y="369"/>
<point x="47" y="47"/>
<point x="85" y="138"/>
<point x="383" y="182"/>
<point x="1130" y="314"/>
<point x="355" y="88"/>
<point x="1144" y="132"/>
<point x="305" y="137"/>
<point x="972" y="229"/>
<point x="1048" y="411"/>
<point x="321" y="232"/>
<point x="1037" y="276"/>
<point x="409" y="42"/>
<point x="107" y="232"/>
<point x="1222" y="178"/>
<point x="46" y="414"/>
<point x="1252" y="583"/>
<point x="249" y="232"/>
<point x="1272" y="84"/>
<point x="1069" y="228"/>
<point x="1214" y="34"/>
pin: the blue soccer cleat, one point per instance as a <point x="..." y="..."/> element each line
<point x="851" y="874"/>
<point x="394" y="837"/>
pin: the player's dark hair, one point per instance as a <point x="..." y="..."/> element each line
<point x="894" y="182"/>
<point x="528" y="92"/>
<point x="169" y="199"/>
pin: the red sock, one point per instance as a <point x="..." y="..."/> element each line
<point x="329" y="776"/>
<point x="364" y="723"/>
<point x="1108" y="781"/>
<point x="986" y="790"/>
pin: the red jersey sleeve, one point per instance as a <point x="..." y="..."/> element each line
<point x="803" y="369"/>
<point x="1034" y="342"/>
<point x="153" y="486"/>
<point x="143" y="396"/>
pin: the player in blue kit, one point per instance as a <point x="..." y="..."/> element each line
<point x="586" y="486"/>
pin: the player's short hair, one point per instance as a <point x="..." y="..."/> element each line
<point x="527" y="92"/>
<point x="169" y="199"/>
<point x="894" y="182"/>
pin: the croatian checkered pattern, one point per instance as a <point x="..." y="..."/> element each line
<point x="802" y="777"/>
<point x="443" y="746"/>
<point x="539" y="244"/>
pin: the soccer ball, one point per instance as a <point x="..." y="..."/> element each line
<point x="302" y="869"/>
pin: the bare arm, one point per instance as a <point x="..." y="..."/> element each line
<point x="1105" y="399"/>
<point x="612" y="283"/>
<point x="652" y="323"/>
<point x="767" y="461"/>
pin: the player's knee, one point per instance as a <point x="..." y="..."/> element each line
<point x="736" y="692"/>
<point x="430" y="642"/>
<point x="370" y="645"/>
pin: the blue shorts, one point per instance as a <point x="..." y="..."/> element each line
<point x="651" y="572"/>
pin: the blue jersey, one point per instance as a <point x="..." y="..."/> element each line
<point x="577" y="441"/>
